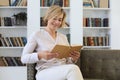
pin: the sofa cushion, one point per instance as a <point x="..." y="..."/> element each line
<point x="100" y="64"/>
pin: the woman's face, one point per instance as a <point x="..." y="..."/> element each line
<point x="55" y="22"/>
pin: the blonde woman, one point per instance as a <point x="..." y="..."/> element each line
<point x="48" y="66"/>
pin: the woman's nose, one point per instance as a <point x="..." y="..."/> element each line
<point x="57" y="21"/>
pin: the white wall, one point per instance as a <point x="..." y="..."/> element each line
<point x="76" y="21"/>
<point x="115" y="24"/>
<point x="33" y="16"/>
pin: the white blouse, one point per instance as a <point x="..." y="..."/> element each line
<point x="42" y="41"/>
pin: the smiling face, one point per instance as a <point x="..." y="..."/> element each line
<point x="55" y="17"/>
<point x="55" y="22"/>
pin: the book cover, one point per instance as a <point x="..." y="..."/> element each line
<point x="88" y="4"/>
<point x="105" y="22"/>
<point x="4" y="2"/>
<point x="104" y="3"/>
<point x="64" y="50"/>
<point x="2" y="63"/>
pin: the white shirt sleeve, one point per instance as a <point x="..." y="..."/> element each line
<point x="28" y="54"/>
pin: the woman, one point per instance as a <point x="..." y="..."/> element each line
<point x="48" y="66"/>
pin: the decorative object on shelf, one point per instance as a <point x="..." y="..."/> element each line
<point x="20" y="18"/>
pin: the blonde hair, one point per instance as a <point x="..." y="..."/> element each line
<point x="54" y="10"/>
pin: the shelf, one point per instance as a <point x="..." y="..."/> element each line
<point x="66" y="8"/>
<point x="61" y="28"/>
<point x="65" y="30"/>
<point x="12" y="27"/>
<point x="13" y="7"/>
<point x="96" y="47"/>
<point x="96" y="28"/>
<point x="95" y="9"/>
<point x="11" y="72"/>
<point x="11" y="47"/>
<point x="9" y="51"/>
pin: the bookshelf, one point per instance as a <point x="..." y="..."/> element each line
<point x="13" y="30"/>
<point x="96" y="25"/>
<point x="75" y="12"/>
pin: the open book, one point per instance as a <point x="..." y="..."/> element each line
<point x="64" y="50"/>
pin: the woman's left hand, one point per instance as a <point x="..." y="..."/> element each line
<point x="75" y="55"/>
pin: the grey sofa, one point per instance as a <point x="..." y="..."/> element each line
<point x="95" y="65"/>
<point x="100" y="64"/>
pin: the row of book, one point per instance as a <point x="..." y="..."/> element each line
<point x="11" y="61"/>
<point x="13" y="2"/>
<point x="95" y="22"/>
<point x="96" y="41"/>
<point x="47" y="3"/>
<point x="12" y="21"/>
<point x="13" y="41"/>
<point x="96" y="3"/>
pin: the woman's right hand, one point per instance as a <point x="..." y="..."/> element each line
<point x="47" y="55"/>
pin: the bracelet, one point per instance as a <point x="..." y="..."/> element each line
<point x="73" y="60"/>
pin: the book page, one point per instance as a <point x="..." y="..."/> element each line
<point x="64" y="50"/>
<point x="76" y="48"/>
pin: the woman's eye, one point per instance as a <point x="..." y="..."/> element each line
<point x="54" y="19"/>
<point x="60" y="20"/>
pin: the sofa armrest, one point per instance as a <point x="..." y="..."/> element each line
<point x="31" y="71"/>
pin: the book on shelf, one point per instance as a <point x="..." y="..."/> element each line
<point x="13" y="2"/>
<point x="3" y="42"/>
<point x="11" y="21"/>
<point x="105" y="22"/>
<point x="104" y="3"/>
<point x="23" y="3"/>
<point x="96" y="41"/>
<point x="64" y="50"/>
<point x="4" y="2"/>
<point x="21" y="42"/>
<point x="2" y="63"/>
<point x="62" y="3"/>
<point x="95" y="22"/>
<point x="7" y="42"/>
<point x="18" y="2"/>
<point x="0" y="21"/>
<point x="66" y="3"/>
<point x="10" y="61"/>
<point x="0" y="40"/>
<point x="13" y="41"/>
<point x="42" y="22"/>
<point x="96" y="3"/>
<point x="88" y="4"/>
<point x="66" y="24"/>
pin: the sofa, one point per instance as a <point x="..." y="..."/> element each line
<point x="101" y="64"/>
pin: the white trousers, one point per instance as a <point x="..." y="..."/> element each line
<point x="62" y="72"/>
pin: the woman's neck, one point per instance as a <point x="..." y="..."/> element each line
<point x="52" y="32"/>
